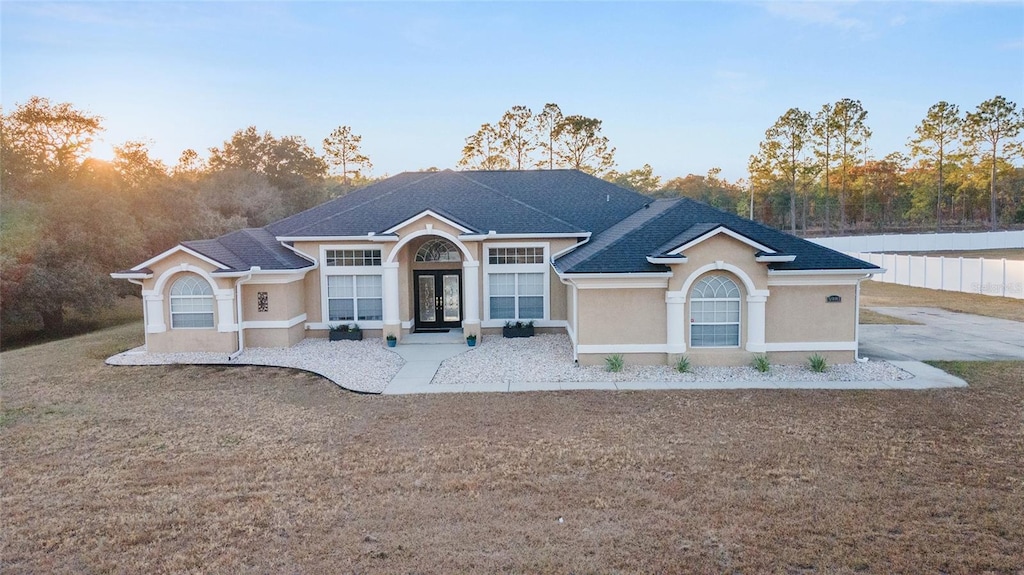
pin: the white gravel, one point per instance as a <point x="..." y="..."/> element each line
<point x="548" y="358"/>
<point x="365" y="366"/>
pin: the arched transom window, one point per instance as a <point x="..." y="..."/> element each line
<point x="438" y="250"/>
<point x="715" y="313"/>
<point x="191" y="303"/>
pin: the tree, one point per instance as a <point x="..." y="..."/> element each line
<point x="848" y="118"/>
<point x="341" y="148"/>
<point x="515" y="135"/>
<point x="781" y="154"/>
<point x="824" y="131"/>
<point x="932" y="140"/>
<point x="547" y="122"/>
<point x="288" y="163"/>
<point x="132" y="162"/>
<point x="640" y="180"/>
<point x="483" y="151"/>
<point x="994" y="124"/>
<point x="581" y="146"/>
<point x="41" y="138"/>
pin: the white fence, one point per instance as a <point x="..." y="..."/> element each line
<point x="924" y="242"/>
<point x="971" y="275"/>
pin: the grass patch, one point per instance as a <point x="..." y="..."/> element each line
<point x="614" y="363"/>
<point x="191" y="469"/>
<point x="871" y="317"/>
<point x="878" y="294"/>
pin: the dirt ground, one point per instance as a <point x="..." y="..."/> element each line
<point x="260" y="470"/>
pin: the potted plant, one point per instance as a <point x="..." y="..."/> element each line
<point x="392" y="340"/>
<point x="471" y="340"/>
<point x="343" y="331"/>
<point x="517" y="329"/>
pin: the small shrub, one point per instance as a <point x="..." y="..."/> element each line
<point x="392" y="337"/>
<point x="761" y="363"/>
<point x="817" y="363"/>
<point x="614" y="363"/>
<point x="683" y="364"/>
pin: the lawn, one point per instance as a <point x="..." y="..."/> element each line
<point x="245" y="469"/>
<point x="878" y="294"/>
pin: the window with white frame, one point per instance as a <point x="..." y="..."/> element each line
<point x="191" y="304"/>
<point x="715" y="313"/>
<point x="516" y="282"/>
<point x="354" y="298"/>
<point x="338" y="258"/>
<point x="515" y="255"/>
<point x="438" y="250"/>
<point x="517" y="296"/>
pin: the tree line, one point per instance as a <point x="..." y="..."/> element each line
<point x="815" y="172"/>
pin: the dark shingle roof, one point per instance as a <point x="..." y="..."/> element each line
<point x="246" y="248"/>
<point x="668" y="224"/>
<point x="509" y="202"/>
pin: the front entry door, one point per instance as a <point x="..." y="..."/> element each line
<point x="438" y="299"/>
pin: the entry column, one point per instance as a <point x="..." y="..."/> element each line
<point x="471" y="294"/>
<point x="392" y="318"/>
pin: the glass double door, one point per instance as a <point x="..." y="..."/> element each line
<point x="438" y="299"/>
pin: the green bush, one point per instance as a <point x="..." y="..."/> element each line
<point x="761" y="363"/>
<point x="817" y="363"/>
<point x="614" y="363"/>
<point x="683" y="365"/>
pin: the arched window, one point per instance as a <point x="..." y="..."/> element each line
<point x="438" y="250"/>
<point x="715" y="313"/>
<point x="191" y="303"/>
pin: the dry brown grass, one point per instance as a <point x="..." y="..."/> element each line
<point x="871" y="317"/>
<point x="878" y="294"/>
<point x="213" y="469"/>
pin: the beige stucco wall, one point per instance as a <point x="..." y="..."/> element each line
<point x="183" y="340"/>
<point x="720" y="248"/>
<point x="286" y="301"/>
<point x="622" y="316"/>
<point x="274" y="337"/>
<point x="802" y="314"/>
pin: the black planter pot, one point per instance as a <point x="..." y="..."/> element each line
<point x="346" y="335"/>
<point x="525" y="331"/>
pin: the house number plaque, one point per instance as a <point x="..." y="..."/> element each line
<point x="833" y="299"/>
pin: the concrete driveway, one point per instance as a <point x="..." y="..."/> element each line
<point x="943" y="335"/>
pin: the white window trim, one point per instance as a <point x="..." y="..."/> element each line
<point x="489" y="268"/>
<point x="326" y="270"/>
<point x="739" y="323"/>
<point x="170" y="304"/>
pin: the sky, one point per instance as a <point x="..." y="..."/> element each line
<point x="683" y="86"/>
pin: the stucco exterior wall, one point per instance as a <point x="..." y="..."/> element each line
<point x="274" y="337"/>
<point x="720" y="248"/>
<point x="802" y="314"/>
<point x="285" y="301"/>
<point x="622" y="316"/>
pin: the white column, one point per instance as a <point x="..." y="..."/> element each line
<point x="471" y="292"/>
<point x="391" y="309"/>
<point x="675" y="312"/>
<point x="154" y="312"/>
<point x="755" y="323"/>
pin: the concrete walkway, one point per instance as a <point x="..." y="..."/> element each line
<point x="421" y="363"/>
<point x="942" y="335"/>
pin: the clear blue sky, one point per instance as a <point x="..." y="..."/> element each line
<point x="683" y="86"/>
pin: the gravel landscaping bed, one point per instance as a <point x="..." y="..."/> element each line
<point x="365" y="366"/>
<point x="548" y="358"/>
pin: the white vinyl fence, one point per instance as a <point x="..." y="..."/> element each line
<point x="924" y="242"/>
<point x="971" y="275"/>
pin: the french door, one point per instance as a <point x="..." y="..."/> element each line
<point x="438" y="299"/>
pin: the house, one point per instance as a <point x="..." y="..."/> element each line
<point x="424" y="251"/>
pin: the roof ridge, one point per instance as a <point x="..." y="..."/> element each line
<point x="278" y="257"/>
<point x="518" y="201"/>
<point x="619" y="239"/>
<point x="426" y="175"/>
